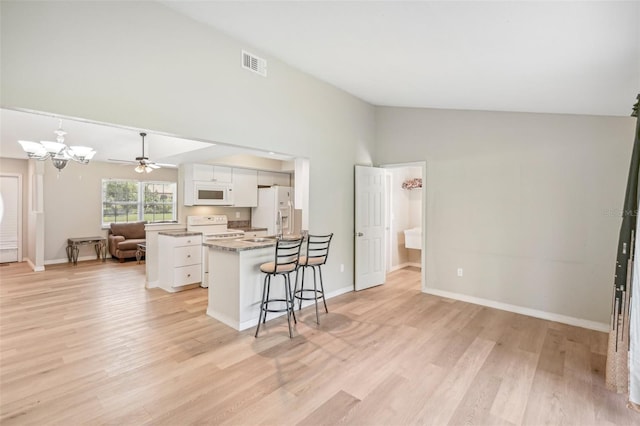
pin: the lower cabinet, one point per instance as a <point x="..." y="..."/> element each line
<point x="180" y="261"/>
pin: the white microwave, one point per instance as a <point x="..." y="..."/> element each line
<point x="204" y="193"/>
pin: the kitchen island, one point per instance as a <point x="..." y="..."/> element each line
<point x="235" y="280"/>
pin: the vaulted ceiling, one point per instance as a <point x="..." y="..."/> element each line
<point x="570" y="57"/>
<point x="575" y="57"/>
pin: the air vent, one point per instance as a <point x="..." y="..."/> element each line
<point x="254" y="63"/>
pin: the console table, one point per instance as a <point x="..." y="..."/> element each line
<point x="73" y="247"/>
<point x="141" y="251"/>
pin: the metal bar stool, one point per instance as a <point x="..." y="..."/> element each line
<point x="287" y="254"/>
<point x="317" y="254"/>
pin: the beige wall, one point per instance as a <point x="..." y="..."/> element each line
<point x="20" y="167"/>
<point x="140" y="64"/>
<point x="73" y="202"/>
<point x="527" y="204"/>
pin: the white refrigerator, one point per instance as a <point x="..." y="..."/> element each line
<point x="274" y="211"/>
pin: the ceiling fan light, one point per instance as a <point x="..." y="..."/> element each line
<point x="148" y="169"/>
<point x="140" y="168"/>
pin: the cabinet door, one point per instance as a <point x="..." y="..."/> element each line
<point x="282" y="179"/>
<point x="222" y="174"/>
<point x="203" y="172"/>
<point x="245" y="188"/>
<point x="273" y="178"/>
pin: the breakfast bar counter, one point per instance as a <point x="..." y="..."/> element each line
<point x="235" y="280"/>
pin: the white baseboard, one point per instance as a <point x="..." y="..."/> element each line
<point x="564" y="319"/>
<point x="337" y="292"/>
<point x="65" y="260"/>
<point x="34" y="267"/>
<point x="272" y="315"/>
<point x="404" y="265"/>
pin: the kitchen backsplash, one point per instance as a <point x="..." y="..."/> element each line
<point x="238" y="224"/>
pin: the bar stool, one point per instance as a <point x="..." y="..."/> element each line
<point x="287" y="254"/>
<point x="317" y="253"/>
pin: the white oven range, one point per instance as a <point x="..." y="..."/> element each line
<point x="213" y="227"/>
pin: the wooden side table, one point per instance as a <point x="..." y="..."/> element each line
<point x="73" y="247"/>
<point x="141" y="251"/>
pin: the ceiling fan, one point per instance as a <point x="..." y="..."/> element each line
<point x="143" y="164"/>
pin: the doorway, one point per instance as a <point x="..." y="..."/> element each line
<point x="10" y="218"/>
<point x="384" y="216"/>
<point x="405" y="208"/>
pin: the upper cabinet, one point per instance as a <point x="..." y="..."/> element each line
<point x="242" y="183"/>
<point x="273" y="178"/>
<point x="207" y="172"/>
<point x="245" y="188"/>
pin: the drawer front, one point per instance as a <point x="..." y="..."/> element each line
<point x="186" y="275"/>
<point x="186" y="241"/>
<point x="187" y="255"/>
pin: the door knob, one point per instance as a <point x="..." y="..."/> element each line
<point x="359" y="234"/>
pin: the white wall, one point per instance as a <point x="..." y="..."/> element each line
<point x="528" y="204"/>
<point x="140" y="64"/>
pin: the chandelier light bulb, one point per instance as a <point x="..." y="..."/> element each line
<point x="58" y="151"/>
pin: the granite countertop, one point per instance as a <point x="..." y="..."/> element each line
<point x="179" y="233"/>
<point x="239" y="245"/>
<point x="244" y="244"/>
<point x="249" y="229"/>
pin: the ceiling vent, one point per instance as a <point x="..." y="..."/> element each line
<point x="254" y="63"/>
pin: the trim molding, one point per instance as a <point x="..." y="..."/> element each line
<point x="404" y="265"/>
<point x="564" y="319"/>
<point x="254" y="321"/>
<point x="34" y="267"/>
<point x="336" y="293"/>
<point x="65" y="260"/>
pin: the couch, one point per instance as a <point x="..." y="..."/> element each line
<point x="124" y="238"/>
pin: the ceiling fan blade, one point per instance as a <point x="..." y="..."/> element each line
<point x="153" y="165"/>
<point x="169" y="166"/>
<point x="113" y="160"/>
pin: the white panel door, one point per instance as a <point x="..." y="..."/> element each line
<point x="369" y="227"/>
<point x="9" y="218"/>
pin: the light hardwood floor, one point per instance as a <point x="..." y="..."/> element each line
<point x="89" y="345"/>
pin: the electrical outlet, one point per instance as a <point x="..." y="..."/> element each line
<point x="342" y="267"/>
<point x="460" y="272"/>
<point x="237" y="215"/>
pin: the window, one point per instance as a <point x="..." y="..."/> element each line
<point x="133" y="201"/>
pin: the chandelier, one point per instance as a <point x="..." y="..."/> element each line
<point x="58" y="151"/>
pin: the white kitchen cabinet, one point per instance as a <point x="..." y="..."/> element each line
<point x="180" y="261"/>
<point x="245" y="188"/>
<point x="273" y="178"/>
<point x="207" y="172"/>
